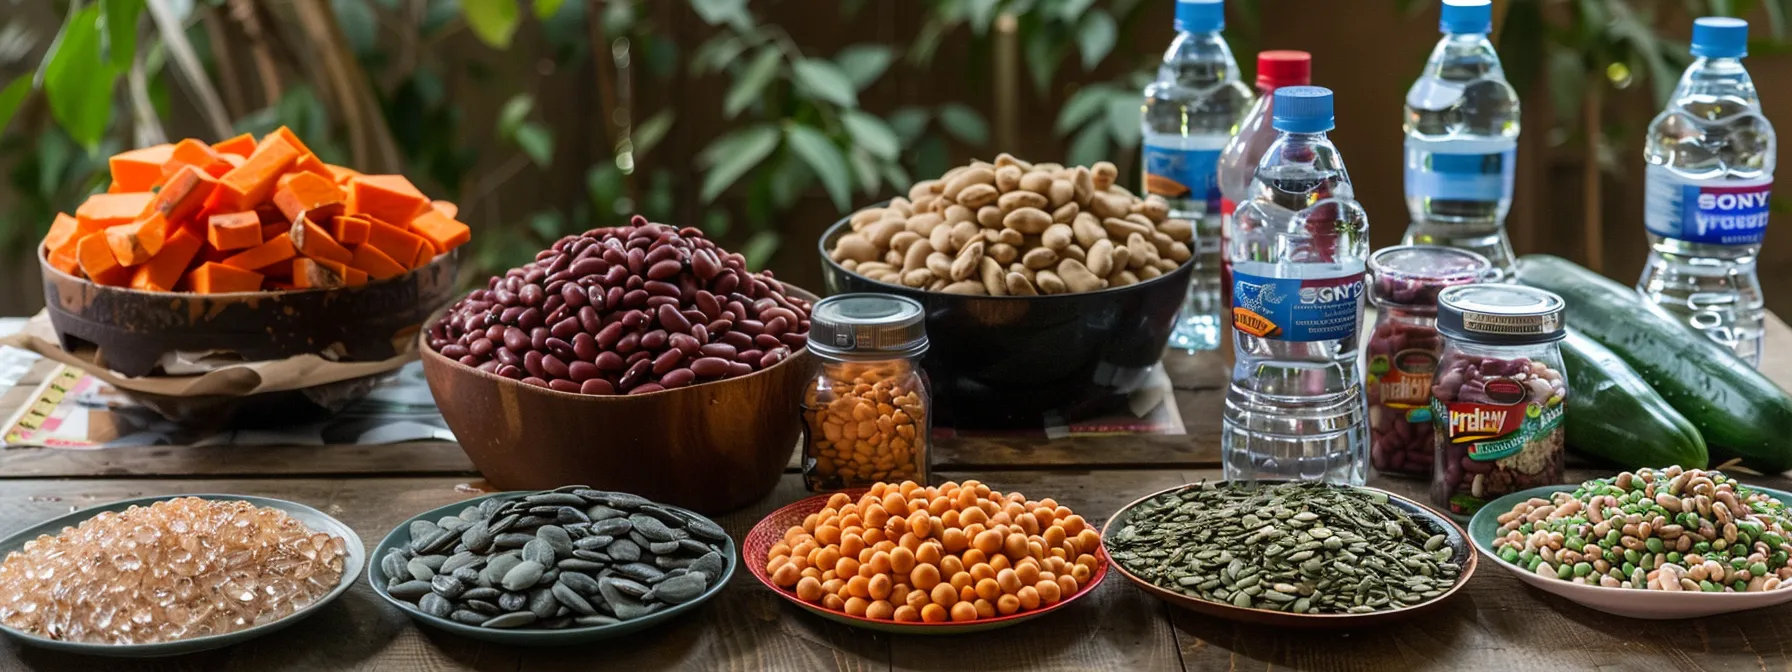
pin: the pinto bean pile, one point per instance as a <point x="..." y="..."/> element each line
<point x="627" y="310"/>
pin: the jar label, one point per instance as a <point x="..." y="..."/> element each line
<point x="1297" y="309"/>
<point x="1184" y="173"/>
<point x="1458" y="177"/>
<point x="1727" y="212"/>
<point x="1404" y="382"/>
<point x="1495" y="431"/>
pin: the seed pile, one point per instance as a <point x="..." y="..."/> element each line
<point x="1671" y="529"/>
<point x="570" y="557"/>
<point x="1299" y="547"/>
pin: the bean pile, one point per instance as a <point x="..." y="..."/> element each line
<point x="1301" y="547"/>
<point x="570" y="557"/>
<point x="1464" y="380"/>
<point x="1016" y="228"/>
<point x="627" y="310"/>
<point x="955" y="553"/>
<point x="1674" y="529"/>
<point x="867" y="424"/>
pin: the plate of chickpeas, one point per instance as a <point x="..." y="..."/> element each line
<point x="909" y="558"/>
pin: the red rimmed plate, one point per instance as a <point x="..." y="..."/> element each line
<point x="770" y="530"/>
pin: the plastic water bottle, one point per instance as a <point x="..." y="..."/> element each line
<point x="1711" y="156"/>
<point x="1238" y="163"/>
<point x="1191" y="112"/>
<point x="1462" y="140"/>
<point x="1299" y="245"/>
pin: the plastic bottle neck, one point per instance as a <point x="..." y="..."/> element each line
<point x="1298" y="138"/>
<point x="1717" y="77"/>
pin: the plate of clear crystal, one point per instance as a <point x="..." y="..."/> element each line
<point x="276" y="607"/>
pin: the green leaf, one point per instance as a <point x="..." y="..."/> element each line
<point x="981" y="13"/>
<point x="120" y="17"/>
<point x="826" y="81"/>
<point x="964" y="123"/>
<point x="871" y="133"/>
<point x="825" y="159"/>
<point x="78" y="83"/>
<point x="920" y="52"/>
<point x="716" y="53"/>
<point x="864" y="63"/>
<point x="537" y="141"/>
<point x="717" y="12"/>
<point x="53" y="156"/>
<point x="908" y="123"/>
<point x="1095" y="37"/>
<point x="1083" y="106"/>
<point x="650" y="132"/>
<point x="544" y="9"/>
<point x="359" y="25"/>
<point x="752" y="80"/>
<point x="11" y="98"/>
<point x="1043" y="52"/>
<point x="1567" y="84"/>
<point x="864" y="167"/>
<point x="511" y="116"/>
<point x="494" y="21"/>
<point x="732" y="155"/>
<point x="1089" y="145"/>
<point x="760" y="248"/>
<point x="1072" y="9"/>
<point x="1125" y="117"/>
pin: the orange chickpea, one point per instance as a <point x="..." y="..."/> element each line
<point x="1067" y="585"/>
<point x="832" y="586"/>
<point x="1027" y="523"/>
<point x="954" y="540"/>
<point x="878" y="489"/>
<point x="963" y="580"/>
<point x="1027" y="572"/>
<point x="847" y="567"/>
<point x="973" y="516"/>
<point x="950" y="519"/>
<point x="985" y="608"/>
<point x="1048" y="591"/>
<point x="983" y="571"/>
<point x="778" y="550"/>
<point x="829" y="576"/>
<point x="778" y="561"/>
<point x="827" y="534"/>
<point x="802" y="549"/>
<point x="906" y="614"/>
<point x="899" y="593"/>
<point x="910" y="541"/>
<point x="786" y="575"/>
<point x="894" y="504"/>
<point x="1029" y="597"/>
<point x="881" y="610"/>
<point x="1080" y="573"/>
<point x="972" y="557"/>
<point x="967" y="594"/>
<point x="1057" y="565"/>
<point x="826" y="556"/>
<point x="924" y="577"/>
<point x="850" y="544"/>
<point x="838" y="500"/>
<point x="918" y="598"/>
<point x="920" y="523"/>
<point x="933" y="613"/>
<point x="945" y="595"/>
<point x="902" y="560"/>
<point x="833" y="602"/>
<point x="1007" y="604"/>
<point x="1015" y="546"/>
<point x="963" y="612"/>
<point x="928" y="554"/>
<point x="878" y="586"/>
<point x="939" y="505"/>
<point x="880" y="562"/>
<point x="855" y="606"/>
<point x="812" y="573"/>
<point x="875" y="516"/>
<point x="864" y="558"/>
<point x="1000" y="563"/>
<point x="858" y="586"/>
<point x="1009" y="580"/>
<point x="1074" y="524"/>
<point x="951" y="565"/>
<point x="1053" y="536"/>
<point x="809" y="590"/>
<point x="895" y="527"/>
<point x="988" y="589"/>
<point x="987" y="542"/>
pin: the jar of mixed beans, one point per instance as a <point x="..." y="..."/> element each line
<point x="1403" y="349"/>
<point x="1496" y="397"/>
<point x="866" y="414"/>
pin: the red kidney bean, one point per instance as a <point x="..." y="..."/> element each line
<point x="709" y="367"/>
<point x="773" y="356"/>
<point x="563" y="386"/>
<point x="610" y="361"/>
<point x="700" y="332"/>
<point x="509" y="357"/>
<point x="532" y="380"/>
<point x="655" y="302"/>
<point x="661" y="253"/>
<point x="609" y="335"/>
<point x="531" y="295"/>
<point x="538" y="339"/>
<point x="505" y="296"/>
<point x="584" y="346"/>
<point x="677" y="378"/>
<point x="753" y="327"/>
<point x="647" y="388"/>
<point x="660" y="288"/>
<point x="673" y="320"/>
<point x="795" y="340"/>
<point x="628" y="343"/>
<point x="532" y="363"/>
<point x="453" y="351"/>
<point x="664" y="269"/>
<point x="590" y="320"/>
<point x="560" y="348"/>
<point x="565" y="328"/>
<point x="666" y="361"/>
<point x="554" y="366"/>
<point x="705" y="264"/>
<point x="737" y="339"/>
<point x="530" y="318"/>
<point x="634" y="298"/>
<point x="589" y="266"/>
<point x="706" y="302"/>
<point x="582" y="371"/>
<point x="637" y="261"/>
<point x="635" y="319"/>
<point x="750" y="356"/>
<point x="468" y="360"/>
<point x="766" y="341"/>
<point x="597" y="386"/>
<point x="635" y="374"/>
<point x="719" y="327"/>
<point x="516" y="339"/>
<point x="739" y="369"/>
<point x="510" y="371"/>
<point x="533" y="276"/>
<point x="722" y="350"/>
<point x="724" y="282"/>
<point x="685" y="343"/>
<point x="489" y="366"/>
<point x="639" y="355"/>
<point x="480" y="347"/>
<point x="573" y="296"/>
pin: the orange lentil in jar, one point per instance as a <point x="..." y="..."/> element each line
<point x="866" y="413"/>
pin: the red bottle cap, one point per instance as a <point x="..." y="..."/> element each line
<point x="1276" y="69"/>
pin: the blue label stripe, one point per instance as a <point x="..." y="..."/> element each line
<point x="1183" y="174"/>
<point x="1460" y="177"/>
<point x="1297" y="309"/>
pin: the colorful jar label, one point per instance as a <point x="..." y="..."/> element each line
<point x="1403" y="382"/>
<point x="1184" y="173"/>
<point x="1478" y="176"/>
<point x="1499" y="429"/>
<point x="1715" y="213"/>
<point x="1296" y="309"/>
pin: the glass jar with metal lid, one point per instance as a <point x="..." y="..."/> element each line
<point x="1403" y="349"/>
<point x="866" y="413"/>
<point x="1497" y="395"/>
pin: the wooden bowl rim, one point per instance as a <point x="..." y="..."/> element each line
<point x="43" y="263"/>
<point x="428" y="354"/>
<point x="813" y="503"/>
<point x="1332" y="620"/>
<point x="887" y="288"/>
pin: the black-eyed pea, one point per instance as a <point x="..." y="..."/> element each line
<point x="1074" y="252"/>
<point x="1057" y="236"/>
<point x="1179" y="230"/>
<point x="977" y="195"/>
<point x="919" y="277"/>
<point x="1038" y="182"/>
<point x="916" y="255"/>
<point x="854" y="246"/>
<point x="1106" y="205"/>
<point x="956" y="213"/>
<point x="990" y="217"/>
<point x="923" y="189"/>
<point x="1011" y="237"/>
<point x="1122" y="277"/>
<point x="1003" y="253"/>
<point x="867" y="217"/>
<point x="1061" y="193"/>
<point x="941" y="239"/>
<point x="1101" y="258"/>
<point x="963" y="233"/>
<point x="1121" y="229"/>
<point x="1066" y="213"/>
<point x="1008" y="178"/>
<point x="990" y="271"/>
<point x="1102" y="175"/>
<point x="1179" y="253"/>
<point x="924" y="223"/>
<point x="971" y="287"/>
<point x="941" y="265"/>
<point x="1088" y="229"/>
<point x="1015" y="200"/>
<point x="1148" y="272"/>
<point x="1039" y="257"/>
<point x="1006" y="159"/>
<point x="1083" y="186"/>
<point x="1018" y="285"/>
<point x="1078" y="277"/>
<point x="905" y="239"/>
<point x="1166" y="264"/>
<point x="1050" y="283"/>
<point x="1030" y="221"/>
<point x="1141" y="253"/>
<point x="968" y="261"/>
<point x="962" y="178"/>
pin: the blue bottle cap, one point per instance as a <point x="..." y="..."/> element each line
<point x="1719" y="37"/>
<point x="1303" y="109"/>
<point x="1200" y="16"/>
<point x="1467" y="17"/>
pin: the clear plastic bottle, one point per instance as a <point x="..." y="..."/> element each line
<point x="1295" y="408"/>
<point x="1711" y="157"/>
<point x="1191" y="112"/>
<point x="1462" y="140"/>
<point x="1238" y="163"/>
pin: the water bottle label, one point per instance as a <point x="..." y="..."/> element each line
<point x="1177" y="173"/>
<point x="1297" y="309"/>
<point x="1459" y="177"/>
<point x="1712" y="213"/>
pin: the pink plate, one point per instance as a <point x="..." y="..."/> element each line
<point x="770" y="531"/>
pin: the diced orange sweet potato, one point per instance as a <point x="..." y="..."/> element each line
<point x="447" y="208"/>
<point x="209" y="253"/>
<point x="184" y="194"/>
<point x="163" y="272"/>
<point x="234" y="230"/>
<point x="191" y="152"/>
<point x="389" y="198"/>
<point x="320" y="274"/>
<point x="312" y="241"/>
<point x="59" y="243"/>
<point x="290" y="137"/>
<point x="242" y="145"/>
<point x="139" y="169"/>
<point x="425" y="255"/>
<point x="106" y="210"/>
<point x="96" y="260"/>
<point x="272" y="230"/>
<point x="247" y="185"/>
<point x="234" y="160"/>
<point x="136" y="242"/>
<point x="342" y="174"/>
<point x="395" y="242"/>
<point x="309" y="195"/>
<point x="349" y="229"/>
<point x="376" y="263"/>
<point x="309" y="163"/>
<point x="263" y="256"/>
<point x="442" y="231"/>
<point x="212" y="278"/>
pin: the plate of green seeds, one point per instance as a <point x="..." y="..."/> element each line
<point x="1290" y="554"/>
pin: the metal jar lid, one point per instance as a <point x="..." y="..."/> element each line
<point x="863" y="326"/>
<point x="1500" y="314"/>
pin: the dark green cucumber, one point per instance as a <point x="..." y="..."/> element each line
<point x="1739" y="412"/>
<point x="1614" y="416"/>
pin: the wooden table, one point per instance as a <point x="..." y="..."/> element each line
<point x="1495" y="623"/>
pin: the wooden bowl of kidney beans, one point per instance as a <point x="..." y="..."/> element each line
<point x="642" y="358"/>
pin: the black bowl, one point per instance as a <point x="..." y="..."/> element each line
<point x="1013" y="361"/>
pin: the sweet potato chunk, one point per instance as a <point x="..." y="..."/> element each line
<point x="212" y="278"/>
<point x="234" y="230"/>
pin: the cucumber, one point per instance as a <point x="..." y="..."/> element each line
<point x="1740" y="412"/>
<point x="1614" y="416"/>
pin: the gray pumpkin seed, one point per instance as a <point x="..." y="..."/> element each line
<point x="710" y="564"/>
<point x="639" y="571"/>
<point x="680" y="589"/>
<point x="611" y="527"/>
<point x="571" y="598"/>
<point x="662" y="547"/>
<point x="504" y="523"/>
<point x="467" y="575"/>
<point x="539" y="551"/>
<point x="600" y="512"/>
<point x="580" y="565"/>
<point x="543" y="603"/>
<point x="568" y="515"/>
<point x="625" y="501"/>
<point x="589" y="621"/>
<point x="410" y="590"/>
<point x="515" y="619"/>
<point x="523" y="575"/>
<point x="555" y="499"/>
<point x="624" y="550"/>
<point x="556" y="537"/>
<point x="393" y="565"/>
<point x="435" y="605"/>
<point x="480" y="593"/>
<point x="594" y="542"/>
<point x="419" y="569"/>
<point x="447" y="586"/>
<point x="583" y="583"/>
<point x="705" y="529"/>
<point x="462" y="559"/>
<point x="469" y="617"/>
<point x="560" y="623"/>
<point x="513" y="539"/>
<point x="513" y="601"/>
<point x="652" y="528"/>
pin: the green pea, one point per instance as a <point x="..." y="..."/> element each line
<point x="1613" y="537"/>
<point x="1565" y="572"/>
<point x="1744" y="540"/>
<point x="1526" y="529"/>
<point x="1701" y="548"/>
<point x="1740" y="585"/>
<point x="1629" y="569"/>
<point x="1632" y="556"/>
<point x="1710" y="587"/>
<point x="1527" y="556"/>
<point x="1758" y="569"/>
<point x="1773" y="540"/>
<point x="1674" y="557"/>
<point x="1778" y="558"/>
<point x="1509" y="554"/>
<point x="1738" y="563"/>
<point x="1534" y="563"/>
<point x="1655" y="545"/>
<point x="1719" y="544"/>
<point x="1576" y="543"/>
<point x="1613" y="556"/>
<point x="1583" y="568"/>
